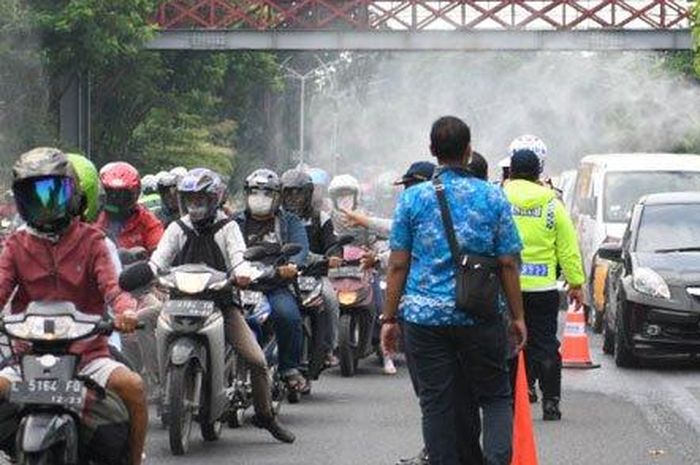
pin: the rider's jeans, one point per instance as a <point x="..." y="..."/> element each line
<point x="287" y="318"/>
<point x="332" y="308"/>
<point x="240" y="336"/>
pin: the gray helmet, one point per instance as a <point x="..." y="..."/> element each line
<point x="297" y="192"/>
<point x="42" y="161"/>
<point x="200" y="192"/>
<point x="263" y="179"/>
<point x="44" y="188"/>
<point x="149" y="184"/>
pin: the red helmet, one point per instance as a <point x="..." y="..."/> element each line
<point x="122" y="186"/>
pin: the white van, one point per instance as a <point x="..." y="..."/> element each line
<point x="607" y="187"/>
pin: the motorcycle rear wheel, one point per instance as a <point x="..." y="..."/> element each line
<point x="181" y="397"/>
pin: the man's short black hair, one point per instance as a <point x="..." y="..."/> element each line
<point x="449" y="138"/>
<point x="479" y="166"/>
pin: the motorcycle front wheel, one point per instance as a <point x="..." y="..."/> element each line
<point x="181" y="398"/>
<point x="348" y="340"/>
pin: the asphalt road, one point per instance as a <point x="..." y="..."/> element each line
<point x="611" y="416"/>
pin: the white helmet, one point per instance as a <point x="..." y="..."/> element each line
<point x="179" y="171"/>
<point x="344" y="191"/>
<point x="149" y="184"/>
<point x="532" y="143"/>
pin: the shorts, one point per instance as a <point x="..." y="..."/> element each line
<point x="99" y="370"/>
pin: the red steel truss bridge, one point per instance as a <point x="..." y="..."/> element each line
<point x="424" y="24"/>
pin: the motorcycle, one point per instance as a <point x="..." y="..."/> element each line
<point x="353" y="286"/>
<point x="309" y="292"/>
<point x="196" y="364"/>
<point x="52" y="394"/>
<point x="263" y="261"/>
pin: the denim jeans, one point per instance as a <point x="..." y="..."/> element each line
<point x="332" y="310"/>
<point x="287" y="319"/>
<point x="446" y="360"/>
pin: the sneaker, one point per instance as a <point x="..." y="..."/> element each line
<point x="389" y="367"/>
<point x="550" y="410"/>
<point x="420" y="459"/>
<point x="277" y="431"/>
<point x="297" y="382"/>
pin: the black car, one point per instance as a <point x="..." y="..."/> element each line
<point x="653" y="304"/>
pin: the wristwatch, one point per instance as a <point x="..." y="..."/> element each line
<point x="384" y="320"/>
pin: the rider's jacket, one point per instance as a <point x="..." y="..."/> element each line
<point x="141" y="229"/>
<point x="548" y="236"/>
<point x="320" y="232"/>
<point x="283" y="228"/>
<point x="75" y="266"/>
<point x="220" y="245"/>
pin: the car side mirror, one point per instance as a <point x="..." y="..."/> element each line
<point x="588" y="206"/>
<point x="611" y="251"/>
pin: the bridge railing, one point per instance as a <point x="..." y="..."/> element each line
<point x="419" y="15"/>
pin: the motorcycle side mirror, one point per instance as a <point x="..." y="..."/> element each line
<point x="340" y="242"/>
<point x="289" y="250"/>
<point x="136" y="276"/>
<point x="257" y="253"/>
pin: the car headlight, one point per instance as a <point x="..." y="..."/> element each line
<point x="648" y="281"/>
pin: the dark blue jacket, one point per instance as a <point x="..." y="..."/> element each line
<point x="289" y="230"/>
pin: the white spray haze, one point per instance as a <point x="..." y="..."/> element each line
<point x="578" y="102"/>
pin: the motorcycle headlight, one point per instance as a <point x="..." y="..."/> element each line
<point x="648" y="281"/>
<point x="347" y="297"/>
<point x="192" y="283"/>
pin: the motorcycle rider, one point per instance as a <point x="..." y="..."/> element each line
<point x="149" y="193"/>
<point x="167" y="189"/>
<point x="344" y="192"/>
<point x="56" y="257"/>
<point x="130" y="224"/>
<point x="206" y="235"/>
<point x="297" y="198"/>
<point x="264" y="221"/>
<point x="549" y="240"/>
<point x="320" y="199"/>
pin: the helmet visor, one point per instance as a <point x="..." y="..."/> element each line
<point x="168" y="195"/>
<point x="43" y="200"/>
<point x="296" y="200"/>
<point x="119" y="200"/>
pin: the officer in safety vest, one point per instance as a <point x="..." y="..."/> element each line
<point x="549" y="241"/>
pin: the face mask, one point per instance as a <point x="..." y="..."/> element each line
<point x="260" y="205"/>
<point x="346" y="202"/>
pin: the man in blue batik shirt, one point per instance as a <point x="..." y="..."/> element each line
<point x="447" y="343"/>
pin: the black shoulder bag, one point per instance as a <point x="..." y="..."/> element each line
<point x="478" y="283"/>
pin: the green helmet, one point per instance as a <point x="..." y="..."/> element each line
<point x="88" y="185"/>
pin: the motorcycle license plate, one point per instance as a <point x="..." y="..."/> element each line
<point x="191" y="308"/>
<point x="346" y="272"/>
<point x="68" y="393"/>
<point x="307" y="283"/>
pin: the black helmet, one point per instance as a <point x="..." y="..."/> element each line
<point x="167" y="189"/>
<point x="297" y="192"/>
<point x="200" y="192"/>
<point x="262" y="192"/>
<point x="44" y="189"/>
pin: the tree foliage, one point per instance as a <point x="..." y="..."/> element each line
<point x="155" y="109"/>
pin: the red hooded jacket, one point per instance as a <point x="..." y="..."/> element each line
<point x="76" y="268"/>
<point x="141" y="229"/>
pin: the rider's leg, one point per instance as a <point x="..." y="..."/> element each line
<point x="243" y="340"/>
<point x="287" y="318"/>
<point x="330" y="302"/>
<point x="129" y="387"/>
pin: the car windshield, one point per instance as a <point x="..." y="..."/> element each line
<point x="669" y="228"/>
<point x="624" y="189"/>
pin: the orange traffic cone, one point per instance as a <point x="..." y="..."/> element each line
<point x="574" y="348"/>
<point x="524" y="448"/>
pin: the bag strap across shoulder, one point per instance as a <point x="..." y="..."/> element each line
<point x="447" y="220"/>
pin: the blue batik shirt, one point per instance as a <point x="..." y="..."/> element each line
<point x="483" y="226"/>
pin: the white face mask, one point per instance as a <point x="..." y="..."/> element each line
<point x="346" y="202"/>
<point x="260" y="204"/>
